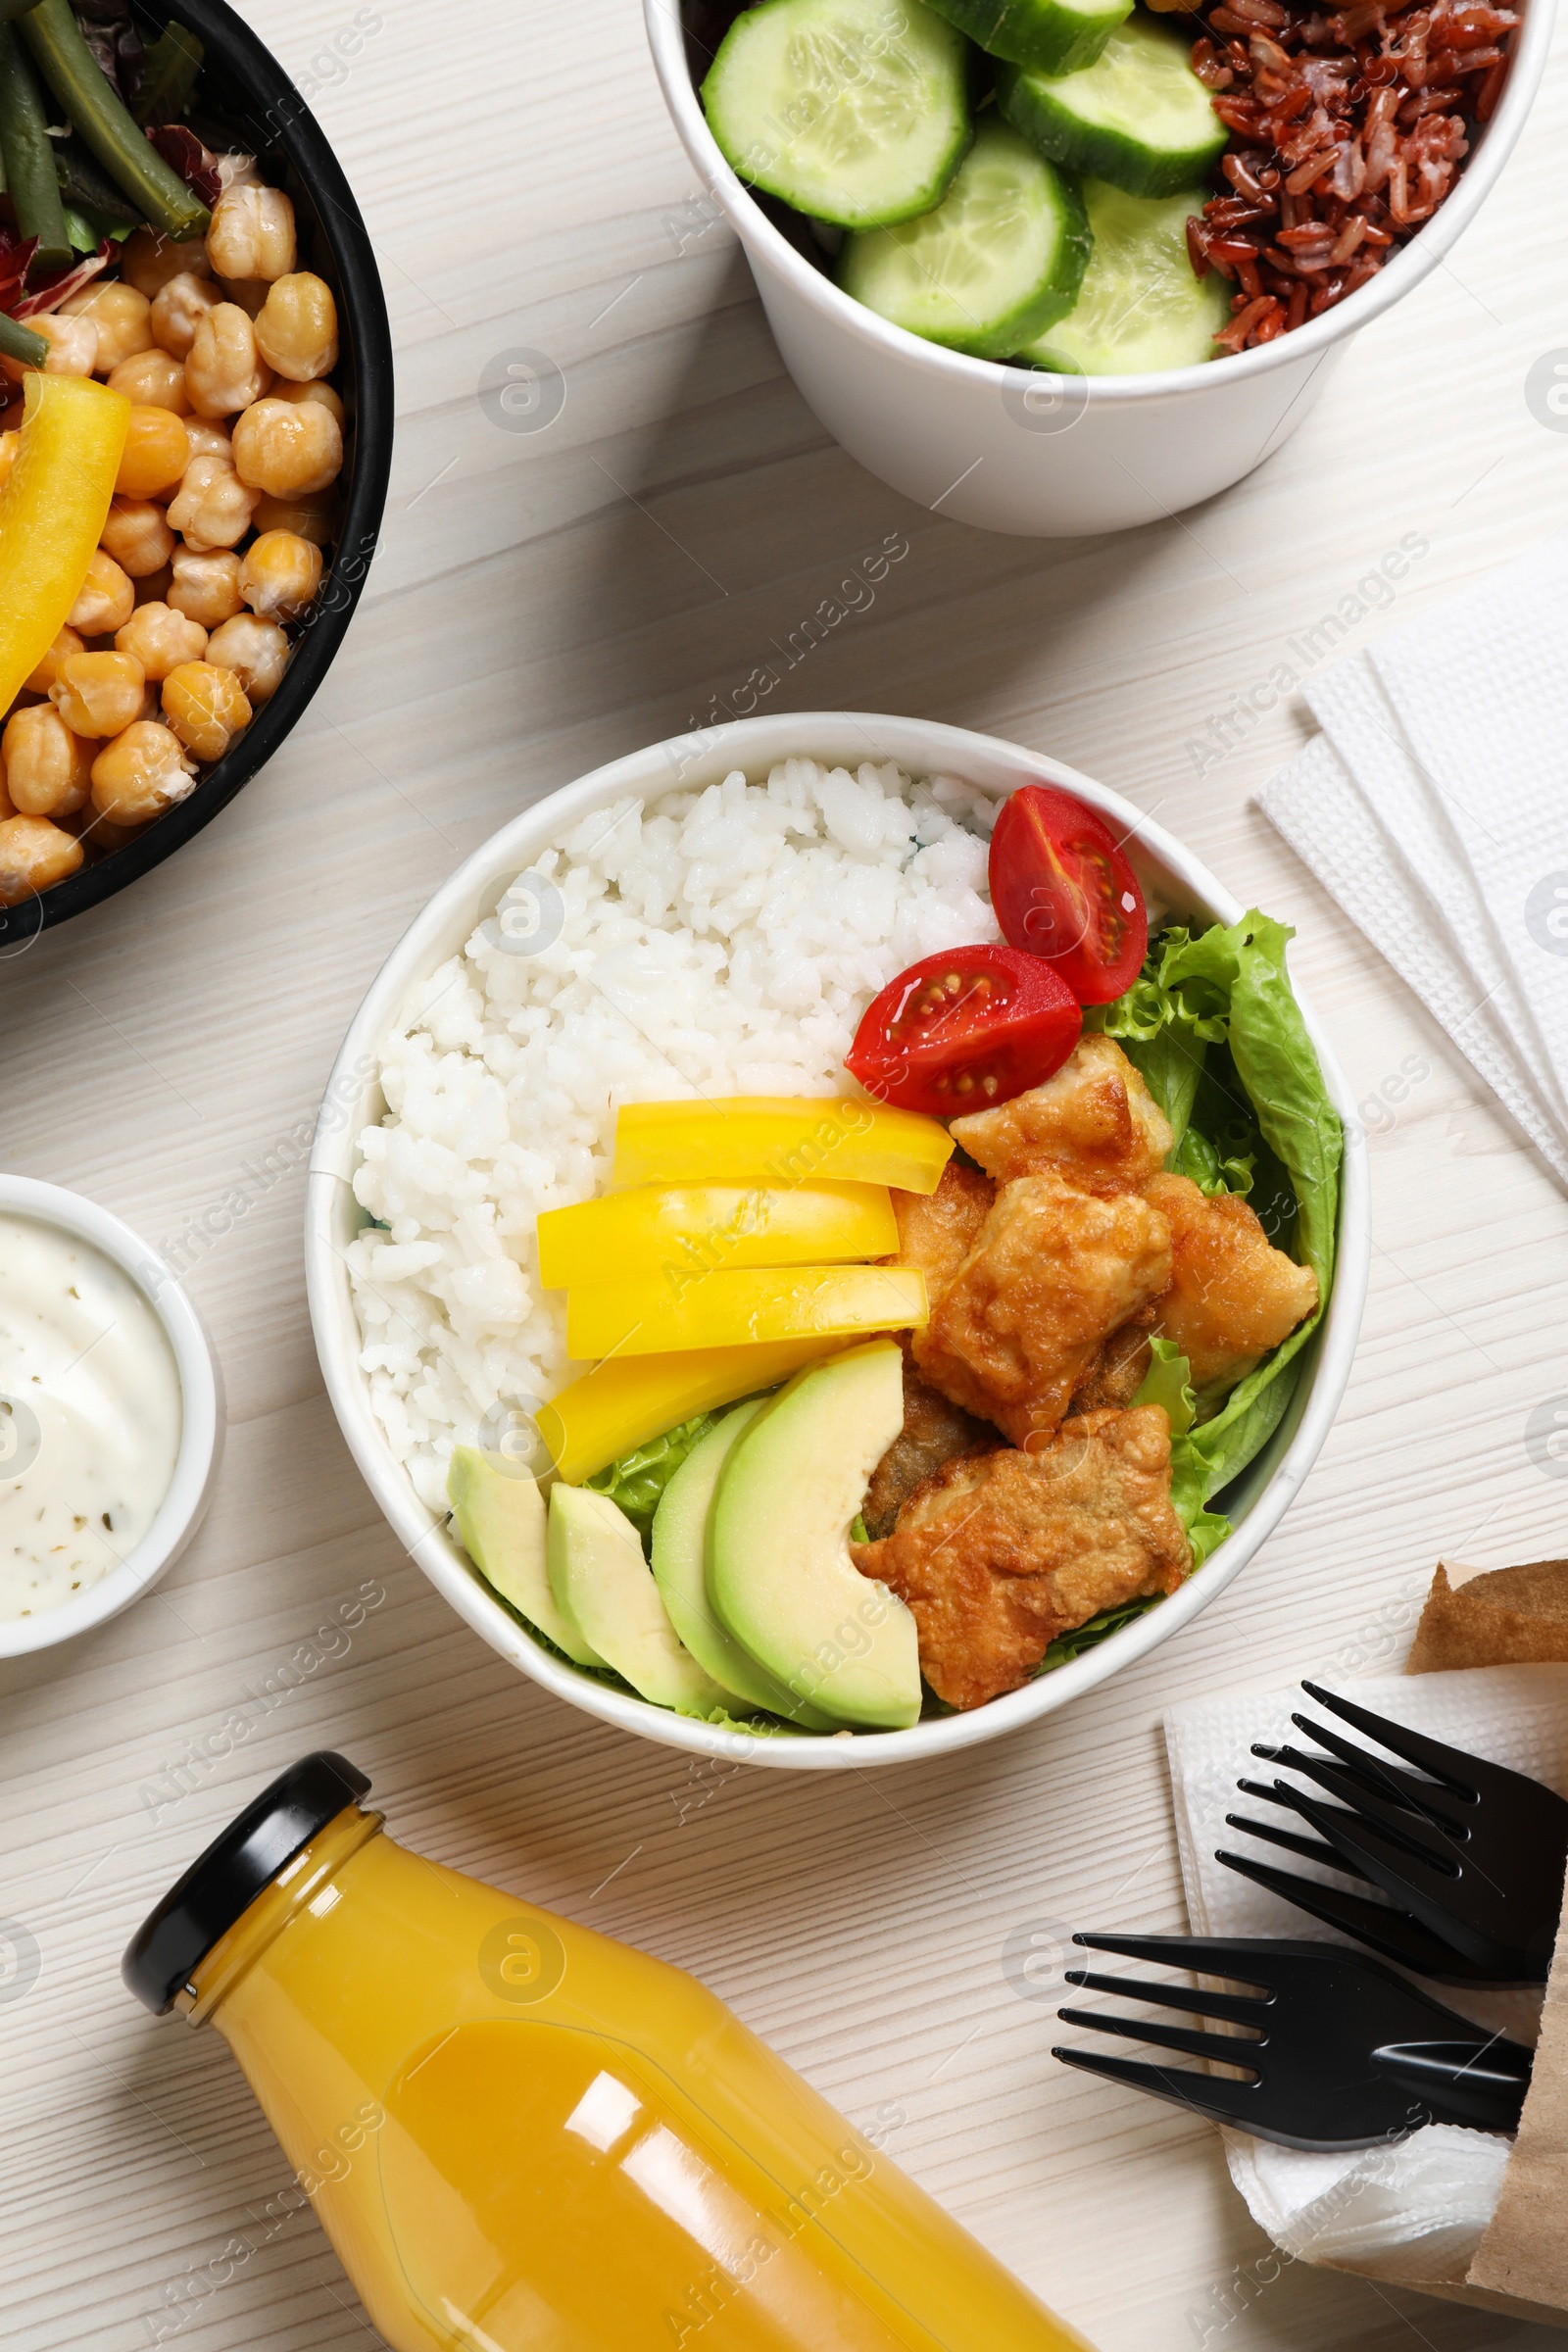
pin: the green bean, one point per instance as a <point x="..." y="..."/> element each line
<point x="13" y="8"/>
<point x="19" y="342"/>
<point x="98" y="118"/>
<point x="31" y="181"/>
<point x="168" y="75"/>
<point x="82" y="184"/>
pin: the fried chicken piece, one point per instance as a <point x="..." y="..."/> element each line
<point x="1096" y="1123"/>
<point x="1117" y="1372"/>
<point x="1053" y="1272"/>
<point x="938" y="1230"/>
<point x="934" y="1433"/>
<point x="999" y="1552"/>
<point x="1232" y="1295"/>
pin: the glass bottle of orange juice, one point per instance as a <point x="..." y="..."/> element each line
<point x="524" y="2137"/>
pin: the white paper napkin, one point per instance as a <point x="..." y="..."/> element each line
<point x="1417" y="2210"/>
<point x="1435" y="808"/>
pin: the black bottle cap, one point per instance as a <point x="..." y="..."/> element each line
<point x="201" y="1907"/>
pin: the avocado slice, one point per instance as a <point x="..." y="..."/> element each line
<point x="681" y="1544"/>
<point x="601" y="1582"/>
<point x="780" y="1573"/>
<point x="499" y="1516"/>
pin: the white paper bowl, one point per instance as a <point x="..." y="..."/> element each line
<point x="202" y="1421"/>
<point x="354" y="1102"/>
<point x="1052" y="457"/>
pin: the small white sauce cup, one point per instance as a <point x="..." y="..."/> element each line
<point x="202" y="1416"/>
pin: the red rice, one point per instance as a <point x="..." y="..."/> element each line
<point x="1346" y="133"/>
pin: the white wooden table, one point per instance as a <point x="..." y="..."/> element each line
<point x="542" y="602"/>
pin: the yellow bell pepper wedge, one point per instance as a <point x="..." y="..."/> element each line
<point x="677" y="1231"/>
<point x="52" y="514"/>
<point x="628" y="1399"/>
<point x="756" y="1303"/>
<point x="779" y="1140"/>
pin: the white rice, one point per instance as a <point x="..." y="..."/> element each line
<point x="714" y="943"/>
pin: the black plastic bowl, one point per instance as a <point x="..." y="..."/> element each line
<point x="244" y="85"/>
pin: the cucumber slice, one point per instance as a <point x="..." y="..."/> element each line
<point x="1058" y="36"/>
<point x="854" y="110"/>
<point x="1000" y="257"/>
<point x="1141" y="308"/>
<point x="1138" y="117"/>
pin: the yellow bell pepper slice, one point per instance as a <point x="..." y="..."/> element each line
<point x="679" y="1231"/>
<point x="756" y="1303"/>
<point x="780" y="1141"/>
<point x="627" y="1400"/>
<point x="52" y="513"/>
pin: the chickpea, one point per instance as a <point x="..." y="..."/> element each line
<point x="142" y="773"/>
<point x="137" y="537"/>
<point x="48" y="669"/>
<point x="122" y="318"/>
<point x="284" y="389"/>
<point x="257" y="651"/>
<point x="224" y="374"/>
<point x="252" y="233"/>
<point x="153" y="380"/>
<point x="179" y="310"/>
<point x="210" y="439"/>
<point x="313" y="518"/>
<point x="280" y="575"/>
<point x="34" y="854"/>
<point x="213" y="506"/>
<point x="206" y="587"/>
<point x="156" y="457"/>
<point x="205" y="707"/>
<point x="10" y="447"/>
<point x="249" y="292"/>
<point x="296" y="330"/>
<point x="107" y="599"/>
<point x="98" y="694"/>
<point x="288" y="448"/>
<point x="47" y="768"/>
<point x="161" y="639"/>
<point x="72" y="346"/>
<point x="148" y="261"/>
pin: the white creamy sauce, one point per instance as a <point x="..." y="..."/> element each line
<point x="89" y="1416"/>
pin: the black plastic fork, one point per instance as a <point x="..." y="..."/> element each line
<point x="1342" y="2053"/>
<point x="1472" y="1855"/>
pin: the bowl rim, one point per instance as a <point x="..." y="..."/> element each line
<point x="203" y="1425"/>
<point x="921" y="746"/>
<point x="1313" y="340"/>
<point x="284" y="124"/>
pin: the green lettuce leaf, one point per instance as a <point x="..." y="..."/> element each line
<point x="638" y="1479"/>
<point x="1067" y="1646"/>
<point x="1169" y="1383"/>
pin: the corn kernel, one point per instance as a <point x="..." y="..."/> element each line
<point x="206" y="586"/>
<point x="107" y="599"/>
<point x="161" y="639"/>
<point x="207" y="707"/>
<point x="137" y="536"/>
<point x="98" y="694"/>
<point x="47" y="768"/>
<point x="288" y="448"/>
<point x="156" y="453"/>
<point x="257" y="651"/>
<point x="280" y="575"/>
<point x="142" y="773"/>
<point x="34" y="854"/>
<point x="121" y="316"/>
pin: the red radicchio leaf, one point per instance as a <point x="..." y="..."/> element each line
<point x="196" y="164"/>
<point x="64" y="283"/>
<point x="15" y="258"/>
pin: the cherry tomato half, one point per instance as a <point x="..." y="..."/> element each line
<point x="961" y="1031"/>
<point x="1062" y="890"/>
